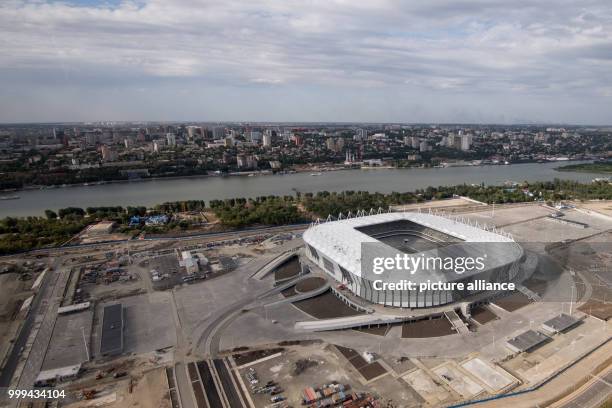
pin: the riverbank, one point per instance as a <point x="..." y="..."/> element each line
<point x="313" y="170"/>
<point x="151" y="192"/>
<point x="250" y="173"/>
<point x="597" y="167"/>
<point x="19" y="234"/>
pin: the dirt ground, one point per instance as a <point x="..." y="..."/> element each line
<point x="600" y="310"/>
<point x="288" y="269"/>
<point x="145" y="373"/>
<point x="92" y="238"/>
<point x="455" y="203"/>
<point x="328" y="365"/>
<point x="149" y="390"/>
<point x="602" y="207"/>
<point x="427" y="328"/>
<point x="483" y="315"/>
<point x="115" y="290"/>
<point x="12" y="294"/>
<point x="367" y="370"/>
<point x="325" y="306"/>
<point x="326" y="368"/>
<point x="376" y="330"/>
<point x="309" y="284"/>
<point x="512" y="302"/>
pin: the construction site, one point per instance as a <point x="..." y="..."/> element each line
<point x="244" y="320"/>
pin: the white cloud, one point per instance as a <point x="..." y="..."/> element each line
<point x="487" y="48"/>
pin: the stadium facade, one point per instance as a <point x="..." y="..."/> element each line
<point x="343" y="250"/>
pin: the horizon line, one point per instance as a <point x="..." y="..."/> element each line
<point x="260" y="122"/>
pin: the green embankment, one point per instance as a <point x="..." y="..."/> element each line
<point x="603" y="168"/>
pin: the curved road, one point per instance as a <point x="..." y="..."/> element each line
<point x="211" y="336"/>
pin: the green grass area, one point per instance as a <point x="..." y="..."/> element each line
<point x="603" y="168"/>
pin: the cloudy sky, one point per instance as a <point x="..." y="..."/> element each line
<point x="547" y="61"/>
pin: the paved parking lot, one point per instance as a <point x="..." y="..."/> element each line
<point x="149" y="323"/>
<point x="69" y="340"/>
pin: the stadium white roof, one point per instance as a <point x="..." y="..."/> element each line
<point x="341" y="241"/>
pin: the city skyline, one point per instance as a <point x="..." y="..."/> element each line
<point x="380" y="61"/>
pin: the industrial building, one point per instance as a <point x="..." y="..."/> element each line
<point x="560" y="323"/>
<point x="111" y="342"/>
<point x="101" y="228"/>
<point x="526" y="341"/>
<point x="190" y="263"/>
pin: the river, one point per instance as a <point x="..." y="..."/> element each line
<point x="34" y="202"/>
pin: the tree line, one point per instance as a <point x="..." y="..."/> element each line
<point x="20" y="234"/>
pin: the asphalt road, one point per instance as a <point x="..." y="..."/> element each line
<point x="226" y="382"/>
<point x="211" y="335"/>
<point x="184" y="386"/>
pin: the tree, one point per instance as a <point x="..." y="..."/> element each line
<point x="50" y="214"/>
<point x="64" y="212"/>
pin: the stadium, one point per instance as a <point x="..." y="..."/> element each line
<point x="343" y="250"/>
